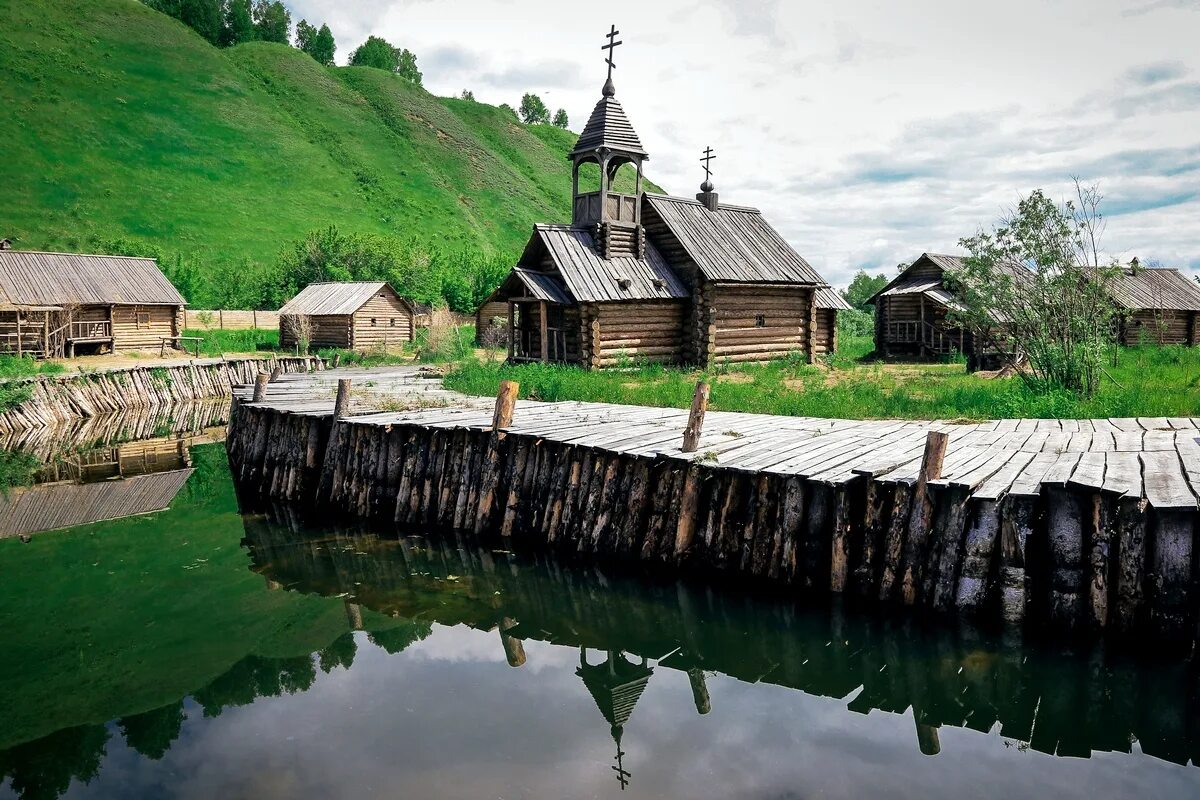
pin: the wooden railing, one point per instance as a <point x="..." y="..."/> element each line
<point x="619" y="208"/>
<point x="932" y="338"/>
<point x="90" y="329"/>
<point x="528" y="348"/>
<point x="904" y="330"/>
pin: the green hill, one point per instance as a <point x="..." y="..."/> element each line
<point x="121" y="125"/>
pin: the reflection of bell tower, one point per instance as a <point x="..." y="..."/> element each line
<point x="609" y="141"/>
<point x="615" y="684"/>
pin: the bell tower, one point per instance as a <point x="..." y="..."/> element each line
<point x="608" y="140"/>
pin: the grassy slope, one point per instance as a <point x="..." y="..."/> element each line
<point x="1150" y="381"/>
<point x="175" y="615"/>
<point x="120" y="121"/>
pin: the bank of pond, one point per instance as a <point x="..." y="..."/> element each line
<point x="221" y="646"/>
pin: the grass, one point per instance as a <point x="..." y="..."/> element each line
<point x="1149" y="381"/>
<point x="217" y="342"/>
<point x="121" y="123"/>
<point x="12" y="396"/>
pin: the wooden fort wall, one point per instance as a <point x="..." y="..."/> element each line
<point x="1049" y="553"/>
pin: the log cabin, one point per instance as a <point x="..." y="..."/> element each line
<point x="913" y="314"/>
<point x="354" y="315"/>
<point x="1155" y="305"/>
<point x="64" y="304"/>
<point x="646" y="277"/>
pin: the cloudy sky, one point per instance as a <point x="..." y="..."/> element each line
<point x="867" y="132"/>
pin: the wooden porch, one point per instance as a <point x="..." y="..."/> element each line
<point x="536" y="331"/>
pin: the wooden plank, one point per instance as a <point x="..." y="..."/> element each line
<point x="1122" y="474"/>
<point x="1165" y="484"/>
<point x="1089" y="474"/>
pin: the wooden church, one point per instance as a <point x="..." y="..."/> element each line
<point x="653" y="278"/>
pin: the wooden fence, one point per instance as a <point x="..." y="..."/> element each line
<point x="230" y="320"/>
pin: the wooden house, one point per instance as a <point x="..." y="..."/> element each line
<point x="913" y="313"/>
<point x="654" y="278"/>
<point x="356" y="315"/>
<point x="1156" y="306"/>
<point x="60" y="304"/>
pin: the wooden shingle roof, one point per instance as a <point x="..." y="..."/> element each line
<point x="29" y="278"/>
<point x="608" y="127"/>
<point x="733" y="244"/>
<point x="589" y="278"/>
<point x="1162" y="288"/>
<point x="335" y="298"/>
<point x="831" y="299"/>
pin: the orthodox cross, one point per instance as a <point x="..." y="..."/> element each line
<point x="612" y="43"/>
<point x="708" y="157"/>
<point x="623" y="775"/>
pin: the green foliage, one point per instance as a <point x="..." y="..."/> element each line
<point x="220" y="342"/>
<point x="378" y="53"/>
<point x="209" y="138"/>
<point x="202" y="16"/>
<point x="467" y="95"/>
<point x="152" y="732"/>
<point x="317" y="43"/>
<point x="862" y="288"/>
<point x="239" y="23"/>
<point x="855" y="322"/>
<point x="560" y="118"/>
<point x="533" y="110"/>
<point x="1057" y="312"/>
<point x="17" y="468"/>
<point x="1152" y="381"/>
<point x="272" y="21"/>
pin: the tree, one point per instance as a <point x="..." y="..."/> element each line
<point x="862" y="288"/>
<point x="317" y="43"/>
<point x="407" y="67"/>
<point x="467" y="94"/>
<point x="152" y="732"/>
<point x="239" y="23"/>
<point x="560" y="118"/>
<point x="1035" y="285"/>
<point x="533" y="110"/>
<point x="272" y="21"/>
<point x="202" y="16"/>
<point x="377" y="53"/>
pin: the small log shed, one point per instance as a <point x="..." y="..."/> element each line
<point x="62" y="304"/>
<point x="354" y="315"/>
<point x="1156" y="305"/>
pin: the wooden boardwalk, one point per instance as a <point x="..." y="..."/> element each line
<point x="1083" y="525"/>
<point x="1156" y="458"/>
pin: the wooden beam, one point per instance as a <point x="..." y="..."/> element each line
<point x="341" y="406"/>
<point x="922" y="510"/>
<point x="543" y="331"/>
<point x="512" y="327"/>
<point x="260" y="386"/>
<point x="695" y="424"/>
<point x="506" y="401"/>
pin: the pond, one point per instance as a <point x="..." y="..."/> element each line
<point x="200" y="651"/>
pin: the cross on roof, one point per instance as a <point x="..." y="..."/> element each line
<point x="707" y="158"/>
<point x="612" y="44"/>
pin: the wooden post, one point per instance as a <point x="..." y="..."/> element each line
<point x="337" y="359"/>
<point x="811" y="337"/>
<point x="260" y="386"/>
<point x="19" y="348"/>
<point x="699" y="690"/>
<point x="922" y="512"/>
<point x="543" y="331"/>
<point x="514" y="648"/>
<point x="275" y="373"/>
<point x="341" y="406"/>
<point x="506" y="400"/>
<point x="695" y="425"/>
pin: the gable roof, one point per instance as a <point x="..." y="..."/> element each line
<point x="831" y="299"/>
<point x="588" y="278"/>
<point x="1162" y="288"/>
<point x="925" y="276"/>
<point x="608" y="127"/>
<point x="29" y="278"/>
<point x="732" y="244"/>
<point x="335" y="298"/>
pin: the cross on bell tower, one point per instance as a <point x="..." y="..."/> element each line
<point x="608" y="140"/>
<point x="707" y="196"/>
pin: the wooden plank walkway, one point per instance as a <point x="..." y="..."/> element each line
<point x="1151" y="457"/>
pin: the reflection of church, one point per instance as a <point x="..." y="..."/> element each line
<point x="616" y="684"/>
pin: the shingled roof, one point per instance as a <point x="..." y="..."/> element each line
<point x="608" y="127"/>
<point x="915" y="280"/>
<point x="334" y="298"/>
<point x="733" y="244"/>
<point x="32" y="279"/>
<point x="588" y="278"/>
<point x="830" y="299"/>
<point x="1162" y="288"/>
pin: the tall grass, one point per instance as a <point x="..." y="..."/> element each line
<point x="1146" y="382"/>
<point x="251" y="340"/>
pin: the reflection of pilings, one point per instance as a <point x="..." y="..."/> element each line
<point x="958" y="679"/>
<point x="353" y="616"/>
<point x="514" y="648"/>
<point x="699" y="690"/>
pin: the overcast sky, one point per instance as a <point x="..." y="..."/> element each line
<point x="867" y="132"/>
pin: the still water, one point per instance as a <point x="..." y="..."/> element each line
<point x="201" y="652"/>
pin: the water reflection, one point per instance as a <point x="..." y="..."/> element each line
<point x="257" y="656"/>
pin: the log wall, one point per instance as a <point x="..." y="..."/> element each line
<point x="383" y="320"/>
<point x="752" y="323"/>
<point x="142" y="327"/>
<point x="1149" y="326"/>
<point x="60" y="399"/>
<point x="1060" y="557"/>
<point x="325" y="331"/>
<point x="613" y="333"/>
<point x="825" y="331"/>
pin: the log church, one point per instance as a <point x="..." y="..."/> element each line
<point x="644" y="277"/>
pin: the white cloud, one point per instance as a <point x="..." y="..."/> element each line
<point x="856" y="122"/>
